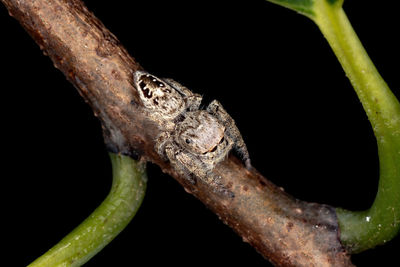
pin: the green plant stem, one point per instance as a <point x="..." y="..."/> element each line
<point x="379" y="224"/>
<point x="106" y="222"/>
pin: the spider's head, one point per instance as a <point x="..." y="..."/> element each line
<point x="158" y="96"/>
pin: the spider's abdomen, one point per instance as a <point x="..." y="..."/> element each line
<point x="200" y="132"/>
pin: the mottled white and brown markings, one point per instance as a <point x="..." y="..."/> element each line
<point x="193" y="140"/>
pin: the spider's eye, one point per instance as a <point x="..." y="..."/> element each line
<point x="188" y="141"/>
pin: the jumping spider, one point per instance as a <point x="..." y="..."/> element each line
<point x="193" y="140"/>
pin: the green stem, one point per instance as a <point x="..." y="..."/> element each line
<point x="380" y="223"/>
<point x="365" y="229"/>
<point x="106" y="222"/>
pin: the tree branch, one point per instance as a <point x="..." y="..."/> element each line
<point x="287" y="231"/>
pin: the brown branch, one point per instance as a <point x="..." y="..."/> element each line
<point x="287" y="231"/>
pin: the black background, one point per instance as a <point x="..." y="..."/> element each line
<point x="271" y="69"/>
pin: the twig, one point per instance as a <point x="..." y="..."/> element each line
<point x="106" y="222"/>
<point x="287" y="231"/>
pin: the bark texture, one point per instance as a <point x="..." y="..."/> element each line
<point x="284" y="230"/>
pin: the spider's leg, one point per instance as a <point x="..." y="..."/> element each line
<point x="178" y="160"/>
<point x="218" y="111"/>
<point x="193" y="99"/>
<point x="162" y="140"/>
<point x="191" y="166"/>
<point x="204" y="172"/>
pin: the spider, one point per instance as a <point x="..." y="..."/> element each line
<point x="192" y="139"/>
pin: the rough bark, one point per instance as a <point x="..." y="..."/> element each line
<point x="285" y="230"/>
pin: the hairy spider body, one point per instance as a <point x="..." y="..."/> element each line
<point x="193" y="140"/>
<point x="201" y="135"/>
